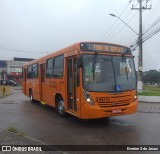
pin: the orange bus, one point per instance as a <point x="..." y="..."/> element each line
<point x="88" y="80"/>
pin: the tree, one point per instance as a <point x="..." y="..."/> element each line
<point x="151" y="76"/>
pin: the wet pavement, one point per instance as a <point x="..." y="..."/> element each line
<point x="42" y="123"/>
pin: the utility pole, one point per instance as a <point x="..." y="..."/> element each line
<point x="140" y="41"/>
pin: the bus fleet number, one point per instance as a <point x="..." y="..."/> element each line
<point x="102" y="99"/>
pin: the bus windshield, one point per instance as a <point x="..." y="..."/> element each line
<point x="105" y="73"/>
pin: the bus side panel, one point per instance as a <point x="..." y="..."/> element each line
<point x="54" y="87"/>
<point x="33" y="84"/>
<point x="49" y="91"/>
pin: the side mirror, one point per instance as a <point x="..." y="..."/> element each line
<point x="79" y="61"/>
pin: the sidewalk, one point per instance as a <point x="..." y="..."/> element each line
<point x="149" y="99"/>
<point x="8" y="90"/>
<point x="5" y="90"/>
<point x="8" y="138"/>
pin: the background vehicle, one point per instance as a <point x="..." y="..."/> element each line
<point x="88" y="80"/>
<point x="10" y="83"/>
<point x="2" y="82"/>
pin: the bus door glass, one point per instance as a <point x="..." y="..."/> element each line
<point x="42" y="81"/>
<point x="72" y="89"/>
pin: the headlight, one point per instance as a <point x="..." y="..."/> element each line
<point x="88" y="98"/>
<point x="135" y="97"/>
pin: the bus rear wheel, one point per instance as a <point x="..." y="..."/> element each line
<point x="61" y="108"/>
<point x="31" y="96"/>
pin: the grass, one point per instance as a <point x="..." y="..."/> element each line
<point x="150" y="91"/>
<point x="14" y="130"/>
<point x="151" y="88"/>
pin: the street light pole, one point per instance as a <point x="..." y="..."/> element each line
<point x="113" y="15"/>
<point x="140" y="41"/>
<point x="140" y="47"/>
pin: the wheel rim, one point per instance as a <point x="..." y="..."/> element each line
<point x="61" y="107"/>
<point x="31" y="97"/>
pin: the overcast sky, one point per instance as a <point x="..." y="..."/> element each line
<point x="33" y="28"/>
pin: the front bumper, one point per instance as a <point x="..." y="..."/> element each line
<point x="94" y="111"/>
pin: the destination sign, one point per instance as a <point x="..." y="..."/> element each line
<point x="104" y="48"/>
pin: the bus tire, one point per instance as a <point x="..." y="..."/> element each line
<point x="61" y="108"/>
<point x="31" y="96"/>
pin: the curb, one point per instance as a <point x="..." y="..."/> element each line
<point x="149" y="99"/>
<point x="147" y="102"/>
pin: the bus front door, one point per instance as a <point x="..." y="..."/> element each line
<point x="72" y="88"/>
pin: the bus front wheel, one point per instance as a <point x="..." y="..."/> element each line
<point x="61" y="108"/>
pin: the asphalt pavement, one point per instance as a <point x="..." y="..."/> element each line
<point x="8" y="138"/>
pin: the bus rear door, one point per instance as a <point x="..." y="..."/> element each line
<point x="42" y="83"/>
<point x="24" y="80"/>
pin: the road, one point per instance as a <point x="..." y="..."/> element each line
<point x="42" y="123"/>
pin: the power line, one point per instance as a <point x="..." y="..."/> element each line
<point x="131" y="41"/>
<point x="152" y="29"/>
<point x="151" y="35"/>
<point x="153" y="13"/>
<point x="122" y="27"/>
<point x="22" y="51"/>
<point x="111" y="27"/>
<point x="153" y="25"/>
<point x="115" y="32"/>
<point x="134" y="41"/>
<point x="135" y="45"/>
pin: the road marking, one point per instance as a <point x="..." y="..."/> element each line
<point x="8" y="102"/>
<point x="122" y="124"/>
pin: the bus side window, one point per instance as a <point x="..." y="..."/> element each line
<point x="58" y="67"/>
<point x="32" y="71"/>
<point x="29" y="72"/>
<point x="49" y="68"/>
<point x="35" y="71"/>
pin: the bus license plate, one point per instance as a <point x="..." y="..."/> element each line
<point x="116" y="111"/>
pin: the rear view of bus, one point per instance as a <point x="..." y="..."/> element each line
<point x="108" y="80"/>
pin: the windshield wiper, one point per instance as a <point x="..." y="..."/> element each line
<point x="94" y="64"/>
<point x="126" y="71"/>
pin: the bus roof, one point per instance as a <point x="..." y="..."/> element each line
<point x="70" y="48"/>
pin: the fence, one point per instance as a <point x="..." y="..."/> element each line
<point x="5" y="90"/>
